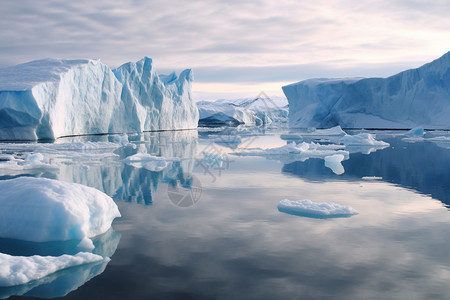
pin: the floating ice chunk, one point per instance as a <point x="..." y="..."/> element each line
<point x="34" y="158"/>
<point x="334" y="162"/>
<point x="17" y="270"/>
<point x="148" y="161"/>
<point x="363" y="139"/>
<point x="307" y="208"/>
<point x="40" y="210"/>
<point x="370" y="178"/>
<point x="334" y="131"/>
<point x="304" y="150"/>
<point x="417" y="131"/>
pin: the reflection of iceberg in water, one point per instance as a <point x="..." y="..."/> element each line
<point x="62" y="282"/>
<point x="127" y="182"/>
<point x="420" y="166"/>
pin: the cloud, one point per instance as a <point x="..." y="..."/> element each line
<point x="243" y="36"/>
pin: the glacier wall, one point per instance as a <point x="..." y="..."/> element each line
<point x="416" y="97"/>
<point x="51" y="98"/>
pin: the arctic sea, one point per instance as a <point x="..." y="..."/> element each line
<point x="204" y="222"/>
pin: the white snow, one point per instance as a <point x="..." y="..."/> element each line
<point x="334" y="162"/>
<point x="416" y="97"/>
<point x="17" y="270"/>
<point x="249" y="111"/>
<point x="371" y="178"/>
<point x="307" y="208"/>
<point x="51" y="98"/>
<point x="40" y="210"/>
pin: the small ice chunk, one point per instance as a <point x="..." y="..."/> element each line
<point x="307" y="208"/>
<point x="334" y="162"/>
<point x="41" y="210"/>
<point x="34" y="158"/>
<point x="334" y="131"/>
<point x="370" y="178"/>
<point x="363" y="139"/>
<point x="416" y="132"/>
<point x="17" y="270"/>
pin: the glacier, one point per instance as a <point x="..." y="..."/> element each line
<point x="413" y="98"/>
<point x="259" y="111"/>
<point x="52" y="98"/>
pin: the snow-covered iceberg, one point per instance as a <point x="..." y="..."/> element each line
<point x="259" y="111"/>
<point x="307" y="208"/>
<point x="41" y="210"/>
<point x="416" y="97"/>
<point x="51" y="98"/>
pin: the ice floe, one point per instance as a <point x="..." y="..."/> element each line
<point x="307" y="208"/>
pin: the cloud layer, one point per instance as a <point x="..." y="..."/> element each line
<point x="212" y="35"/>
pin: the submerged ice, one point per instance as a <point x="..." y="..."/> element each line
<point x="51" y="98"/>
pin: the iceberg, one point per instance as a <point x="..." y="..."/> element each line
<point x="43" y="210"/>
<point x="416" y="97"/>
<point x="307" y="208"/>
<point x="51" y="98"/>
<point x="259" y="111"/>
<point x="18" y="270"/>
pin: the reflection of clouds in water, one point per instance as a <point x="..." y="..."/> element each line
<point x="235" y="240"/>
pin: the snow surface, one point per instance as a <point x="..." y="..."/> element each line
<point x="416" y="97"/>
<point x="259" y="111"/>
<point x="307" y="208"/>
<point x="40" y="210"/>
<point x="51" y="98"/>
<point x="17" y="270"/>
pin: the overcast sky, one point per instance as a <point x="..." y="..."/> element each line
<point x="234" y="47"/>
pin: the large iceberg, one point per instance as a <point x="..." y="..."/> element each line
<point x="259" y="111"/>
<point x="51" y="98"/>
<point x="416" y="97"/>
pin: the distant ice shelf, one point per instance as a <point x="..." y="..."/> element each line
<point x="259" y="111"/>
<point x="51" y="98"/>
<point x="416" y="97"/>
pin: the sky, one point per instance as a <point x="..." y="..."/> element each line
<point x="235" y="48"/>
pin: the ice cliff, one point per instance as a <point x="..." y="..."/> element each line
<point x="416" y="97"/>
<point x="51" y="98"/>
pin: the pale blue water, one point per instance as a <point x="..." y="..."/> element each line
<point x="224" y="237"/>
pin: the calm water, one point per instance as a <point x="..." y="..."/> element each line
<point x="208" y="229"/>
